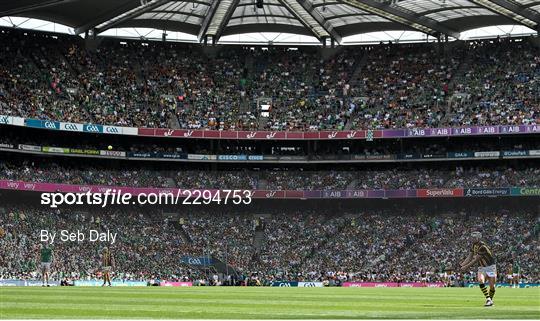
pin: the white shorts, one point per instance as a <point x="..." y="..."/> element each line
<point x="490" y="271"/>
<point x="106" y="269"/>
<point x="45" y="266"/>
<point x="515" y="275"/>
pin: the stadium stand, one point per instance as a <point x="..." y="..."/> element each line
<point x="294" y="179"/>
<point x="378" y="245"/>
<point x="148" y="84"/>
<point x="153" y="85"/>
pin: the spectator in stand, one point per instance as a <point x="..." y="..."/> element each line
<point x="380" y="246"/>
<point x="154" y="84"/>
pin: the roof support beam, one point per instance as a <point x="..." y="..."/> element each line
<point x="123" y="13"/>
<point x="516" y="12"/>
<point x="298" y="11"/>
<point x="179" y="13"/>
<point x="420" y="23"/>
<point x="127" y="5"/>
<point x="221" y="18"/>
<point x="308" y="6"/>
<point x="130" y="15"/>
<point x="206" y="21"/>
<point x="42" y="5"/>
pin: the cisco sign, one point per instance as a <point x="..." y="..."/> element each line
<point x="232" y="157"/>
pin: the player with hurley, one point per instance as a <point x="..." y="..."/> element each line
<point x="107" y="263"/>
<point x="482" y="257"/>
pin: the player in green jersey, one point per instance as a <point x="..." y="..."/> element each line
<point x="46" y="258"/>
<point x="516" y="272"/>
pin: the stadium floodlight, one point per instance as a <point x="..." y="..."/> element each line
<point x="513" y="11"/>
<point x="421" y="23"/>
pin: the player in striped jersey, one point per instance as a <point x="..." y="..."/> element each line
<point x="482" y="257"/>
<point x="107" y="264"/>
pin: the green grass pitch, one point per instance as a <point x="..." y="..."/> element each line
<point x="265" y="303"/>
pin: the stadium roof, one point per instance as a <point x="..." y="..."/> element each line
<point x="321" y="19"/>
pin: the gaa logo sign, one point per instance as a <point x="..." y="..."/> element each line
<point x="310" y="284"/>
<point x="72" y="127"/>
<point x="92" y="128"/>
<point x="4" y="120"/>
<point x="285" y="285"/>
<point x="112" y="130"/>
<point x="195" y="261"/>
<point x="49" y="125"/>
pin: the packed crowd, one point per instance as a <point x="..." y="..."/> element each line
<point x="291" y="179"/>
<point x="377" y="245"/>
<point x="500" y="86"/>
<point x="157" y="84"/>
<point x="147" y="249"/>
<point x="426" y="245"/>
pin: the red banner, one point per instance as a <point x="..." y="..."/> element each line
<point x="440" y="192"/>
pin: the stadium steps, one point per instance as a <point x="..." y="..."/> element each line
<point x="173" y="122"/>
<point x="459" y="74"/>
<point x="355" y="77"/>
<point x="63" y="59"/>
<point x="73" y="64"/>
<point x="353" y="184"/>
<point x="184" y="235"/>
<point x="262" y="123"/>
<point x="258" y="240"/>
<point x="354" y="81"/>
<point x="171" y="182"/>
<point x="349" y="123"/>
